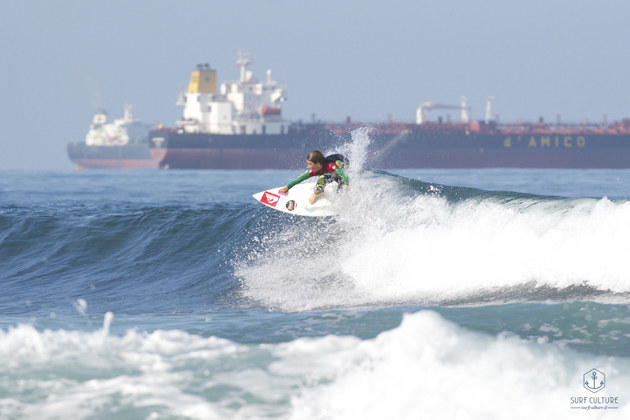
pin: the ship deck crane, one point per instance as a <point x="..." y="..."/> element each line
<point x="421" y="114"/>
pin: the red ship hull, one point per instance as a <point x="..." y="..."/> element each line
<point x="116" y="163"/>
<point x="131" y="156"/>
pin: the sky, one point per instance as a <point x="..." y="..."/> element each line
<point x="61" y="60"/>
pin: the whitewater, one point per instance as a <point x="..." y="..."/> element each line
<point x="462" y="294"/>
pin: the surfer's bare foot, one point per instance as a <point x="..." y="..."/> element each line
<point x="313" y="198"/>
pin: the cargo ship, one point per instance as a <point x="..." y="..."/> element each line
<point x="240" y="126"/>
<point x="121" y="144"/>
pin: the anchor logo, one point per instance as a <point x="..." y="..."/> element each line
<point x="594" y="380"/>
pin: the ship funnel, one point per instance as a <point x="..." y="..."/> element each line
<point x="100" y="117"/>
<point x="203" y="81"/>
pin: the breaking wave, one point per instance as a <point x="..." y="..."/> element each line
<point x="400" y="241"/>
<point x="425" y="368"/>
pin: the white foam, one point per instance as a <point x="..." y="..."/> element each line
<point x="475" y="246"/>
<point x="73" y="374"/>
<point x="80" y="305"/>
<point x="425" y="368"/>
<point x="430" y="368"/>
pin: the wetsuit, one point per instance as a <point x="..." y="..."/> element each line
<point x="331" y="171"/>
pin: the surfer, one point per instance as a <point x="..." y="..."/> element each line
<point x="328" y="169"/>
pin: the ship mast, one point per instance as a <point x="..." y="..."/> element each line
<point x="127" y="116"/>
<point x="244" y="60"/>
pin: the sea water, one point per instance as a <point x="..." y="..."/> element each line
<point x="459" y="294"/>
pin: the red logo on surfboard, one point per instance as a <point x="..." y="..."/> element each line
<point x="270" y="199"/>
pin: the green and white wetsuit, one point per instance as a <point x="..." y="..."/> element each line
<point x="330" y="172"/>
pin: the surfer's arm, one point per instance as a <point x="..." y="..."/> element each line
<point x="339" y="172"/>
<point x="297" y="181"/>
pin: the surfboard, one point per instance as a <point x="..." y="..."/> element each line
<point x="296" y="200"/>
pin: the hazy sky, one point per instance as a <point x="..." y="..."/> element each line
<point x="61" y="60"/>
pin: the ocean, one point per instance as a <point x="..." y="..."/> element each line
<point x="437" y="294"/>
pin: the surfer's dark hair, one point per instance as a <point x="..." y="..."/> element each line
<point x="316" y="157"/>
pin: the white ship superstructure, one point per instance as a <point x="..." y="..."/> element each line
<point x="244" y="106"/>
<point x="119" y="133"/>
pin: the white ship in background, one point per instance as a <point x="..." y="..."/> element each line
<point x="121" y="132"/>
<point x="122" y="144"/>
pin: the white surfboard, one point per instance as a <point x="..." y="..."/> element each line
<point x="296" y="200"/>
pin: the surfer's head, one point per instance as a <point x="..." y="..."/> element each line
<point x="315" y="160"/>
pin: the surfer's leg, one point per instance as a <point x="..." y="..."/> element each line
<point x="337" y="178"/>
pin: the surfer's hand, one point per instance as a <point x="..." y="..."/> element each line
<point x="284" y="190"/>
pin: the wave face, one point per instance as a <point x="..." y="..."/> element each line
<point x="137" y="259"/>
